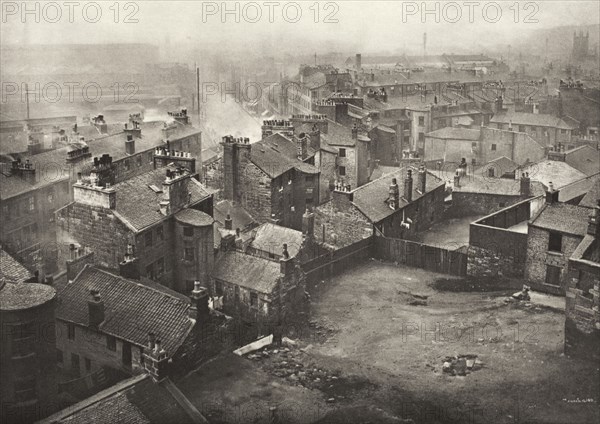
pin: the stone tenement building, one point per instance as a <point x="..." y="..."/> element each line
<point x="33" y="187"/>
<point x="481" y="146"/>
<point x="547" y="130"/>
<point x="106" y="321"/>
<point x="267" y="183"/>
<point x="165" y="215"/>
<point x="29" y="389"/>
<point x="582" y="324"/>
<point x="553" y="237"/>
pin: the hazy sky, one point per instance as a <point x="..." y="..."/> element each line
<point x="363" y="25"/>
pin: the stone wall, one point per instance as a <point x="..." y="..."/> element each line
<point x="582" y="323"/>
<point x="339" y="223"/>
<point x="538" y="258"/>
<point x="468" y="204"/>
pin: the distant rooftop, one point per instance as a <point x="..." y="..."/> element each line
<point x="563" y="217"/>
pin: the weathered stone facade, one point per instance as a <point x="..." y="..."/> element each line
<point x="339" y="223"/>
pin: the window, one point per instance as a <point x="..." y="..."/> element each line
<point x="148" y="239"/>
<point x="31" y="204"/>
<point x="160" y="235"/>
<point x="491" y="172"/>
<point x="521" y="128"/>
<point x="139" y="160"/>
<point x="555" y="242"/>
<point x="342" y="170"/>
<point x="188" y="231"/>
<point x="111" y="343"/>
<point x="150" y="271"/>
<point x="50" y="197"/>
<point x="71" y="331"/>
<point x="75" y="362"/>
<point x="493" y="147"/>
<point x="88" y="364"/>
<point x="188" y="254"/>
<point x="218" y="288"/>
<point x="160" y="267"/>
<point x="421" y="137"/>
<point x="421" y="121"/>
<point x="533" y="129"/>
<point x="126" y="164"/>
<point x="564" y="131"/>
<point x="553" y="275"/>
<point x="474" y="145"/>
<point x="342" y="153"/>
<point x="253" y="299"/>
<point x="59" y="356"/>
<point x="25" y="390"/>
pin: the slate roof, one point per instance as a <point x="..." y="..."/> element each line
<point x="339" y="135"/>
<point x="247" y="271"/>
<point x="535" y="119"/>
<point x="274" y="162"/>
<point x="499" y="186"/>
<point x="138" y="204"/>
<point x="132" y="309"/>
<point x="48" y="164"/>
<point x="137" y="400"/>
<point x="194" y="217"/>
<point x="557" y="172"/>
<point x="590" y="200"/>
<point x="24" y="295"/>
<point x="585" y="159"/>
<point x="570" y="219"/>
<point x="371" y="198"/>
<point x="270" y="238"/>
<point x="286" y="146"/>
<point x="11" y="270"/>
<point x="240" y="217"/>
<point x="454" y="133"/>
<point x="502" y="164"/>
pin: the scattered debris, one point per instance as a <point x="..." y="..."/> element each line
<point x="523" y="294"/>
<point x="461" y="364"/>
<point x="418" y="300"/>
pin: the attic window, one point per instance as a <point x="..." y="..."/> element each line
<point x="155" y="188"/>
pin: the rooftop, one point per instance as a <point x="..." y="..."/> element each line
<point x="135" y="400"/>
<point x="563" y="217"/>
<point x="454" y="133"/>
<point x="590" y="200"/>
<point x="52" y="167"/>
<point x="557" y="172"/>
<point x="274" y="162"/>
<point x="535" y="119"/>
<point x="11" y="270"/>
<point x="270" y="238"/>
<point x="132" y="309"/>
<point x="286" y="146"/>
<point x="138" y="204"/>
<point x="247" y="271"/>
<point x="585" y="159"/>
<point x="371" y="198"/>
<point x="339" y="135"/>
<point x="21" y="296"/>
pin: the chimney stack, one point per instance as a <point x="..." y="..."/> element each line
<point x="156" y="360"/>
<point x="129" y="267"/>
<point x="594" y="222"/>
<point x="286" y="263"/>
<point x="302" y="146"/>
<point x="308" y="224"/>
<point x="358" y="62"/>
<point x="130" y="145"/>
<point x="551" y="194"/>
<point x="525" y="185"/>
<point x="408" y="186"/>
<point x="228" y="223"/>
<point x="394" y="195"/>
<point x="354" y="132"/>
<point x="456" y="180"/>
<point x="95" y="309"/>
<point x="200" y="298"/>
<point x="422" y="179"/>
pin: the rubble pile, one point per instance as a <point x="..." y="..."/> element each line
<point x="461" y="364"/>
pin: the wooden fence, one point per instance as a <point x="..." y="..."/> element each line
<point x="339" y="260"/>
<point x="419" y="255"/>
